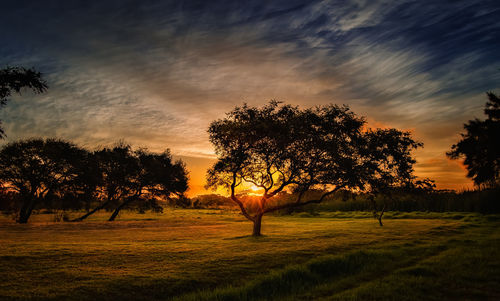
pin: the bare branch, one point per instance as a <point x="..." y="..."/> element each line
<point x="253" y="182"/>
<point x="271" y="180"/>
<point x="299" y="204"/>
<point x="237" y="201"/>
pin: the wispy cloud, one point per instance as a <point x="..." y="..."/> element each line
<point x="155" y="73"/>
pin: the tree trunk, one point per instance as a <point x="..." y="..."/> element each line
<point x="81" y="218"/>
<point x="88" y="201"/>
<point x="115" y="213"/>
<point x="26" y="210"/>
<point x="23" y="218"/>
<point x="380" y="216"/>
<point x="120" y="207"/>
<point x="257" y="225"/>
<point x="380" y="220"/>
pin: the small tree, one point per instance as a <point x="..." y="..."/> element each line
<point x="37" y="168"/>
<point x="14" y="79"/>
<point x="480" y="146"/>
<point x="388" y="164"/>
<point x="277" y="148"/>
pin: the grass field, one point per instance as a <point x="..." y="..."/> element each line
<point x="207" y="255"/>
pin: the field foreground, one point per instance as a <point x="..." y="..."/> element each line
<point x="207" y="255"/>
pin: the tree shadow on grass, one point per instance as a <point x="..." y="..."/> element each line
<point x="249" y="237"/>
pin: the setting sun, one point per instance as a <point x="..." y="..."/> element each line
<point x="255" y="188"/>
<point x="250" y="150"/>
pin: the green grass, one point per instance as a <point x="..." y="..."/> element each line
<point x="207" y="255"/>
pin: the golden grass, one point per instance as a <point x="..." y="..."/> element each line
<point x="157" y="256"/>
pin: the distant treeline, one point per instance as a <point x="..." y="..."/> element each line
<point x="482" y="201"/>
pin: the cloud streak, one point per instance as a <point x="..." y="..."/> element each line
<point x="155" y="73"/>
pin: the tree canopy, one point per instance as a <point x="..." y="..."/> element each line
<point x="42" y="170"/>
<point x="129" y="176"/>
<point x="38" y="169"/>
<point x="153" y="175"/>
<point x="281" y="147"/>
<point x="14" y="79"/>
<point x="480" y="145"/>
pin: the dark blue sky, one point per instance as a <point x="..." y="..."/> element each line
<point x="155" y="73"/>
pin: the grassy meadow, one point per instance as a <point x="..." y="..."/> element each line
<point x="186" y="254"/>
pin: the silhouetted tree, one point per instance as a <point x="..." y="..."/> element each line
<point x="117" y="167"/>
<point x="127" y="176"/>
<point x="14" y="79"/>
<point x="480" y="146"/>
<point x="387" y="195"/>
<point x="88" y="181"/>
<point x="38" y="168"/>
<point x="281" y="147"/>
<point x="156" y="177"/>
<point x="387" y="164"/>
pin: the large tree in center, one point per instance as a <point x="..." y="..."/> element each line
<point x="281" y="147"/>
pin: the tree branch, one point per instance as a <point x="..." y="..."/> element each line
<point x="281" y="187"/>
<point x="253" y="182"/>
<point x="237" y="201"/>
<point x="299" y="204"/>
<point x="271" y="180"/>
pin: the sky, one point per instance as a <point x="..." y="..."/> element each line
<point x="156" y="73"/>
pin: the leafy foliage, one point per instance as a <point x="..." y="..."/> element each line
<point x="480" y="145"/>
<point x="130" y="176"/>
<point x="14" y="79"/>
<point x="38" y="169"/>
<point x="277" y="148"/>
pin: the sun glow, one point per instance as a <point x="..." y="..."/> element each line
<point x="254" y="190"/>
